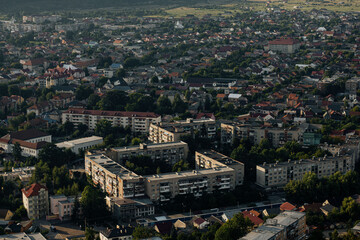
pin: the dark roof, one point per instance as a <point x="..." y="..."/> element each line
<point x="164" y="227"/>
<point x="118" y="232"/>
<point x="28" y="134"/>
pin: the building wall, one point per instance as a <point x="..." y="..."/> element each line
<point x="277" y="136"/>
<point x="37" y="206"/>
<point x="161" y="133"/>
<point x="278" y="175"/>
<point x="170" y="153"/>
<point x="137" y="124"/>
<point x="164" y="187"/>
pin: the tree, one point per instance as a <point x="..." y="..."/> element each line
<point x="17" y="151"/>
<point x="19" y="213"/>
<point x="164" y="105"/>
<point x="93" y="203"/>
<point x="178" y="106"/>
<point x="68" y="128"/>
<point x="135" y="141"/>
<point x="89" y="234"/>
<point x="92" y="100"/>
<point x="103" y="128"/>
<point x="141" y="232"/>
<point x="154" y="79"/>
<point x="114" y="101"/>
<point x="52" y="155"/>
<point x="75" y="210"/>
<point x="83" y="92"/>
<point x="235" y="228"/>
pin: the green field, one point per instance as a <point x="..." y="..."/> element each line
<point x="336" y="5"/>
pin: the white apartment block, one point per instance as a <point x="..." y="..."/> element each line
<point x="171" y="132"/>
<point x="81" y="144"/>
<point x="210" y="159"/>
<point x="113" y="178"/>
<point x="117" y="181"/>
<point x="163" y="187"/>
<point x="277" y="136"/>
<point x="137" y="121"/>
<point x="36" y="201"/>
<point x="279" y="174"/>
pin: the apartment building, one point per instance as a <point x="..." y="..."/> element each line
<point x="171" y="132"/>
<point x="286" y="225"/>
<point x="255" y="133"/>
<point x="137" y="121"/>
<point x="113" y="178"/>
<point x="127" y="209"/>
<point x="280" y="173"/>
<point x="171" y="152"/>
<point x="35" y="200"/>
<point x="81" y="144"/>
<point x="163" y="187"/>
<point x="211" y="159"/>
<point x="62" y="206"/>
<point x="352" y="84"/>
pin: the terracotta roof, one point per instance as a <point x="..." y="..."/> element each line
<point x="287" y="206"/>
<point x="287" y="41"/>
<point x="254" y="219"/>
<point x="111" y="113"/>
<point x="199" y="221"/>
<point x="33" y="190"/>
<point x="35" y="146"/>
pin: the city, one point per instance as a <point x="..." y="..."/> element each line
<point x="207" y="121"/>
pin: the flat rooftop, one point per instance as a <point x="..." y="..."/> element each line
<point x="287" y="218"/>
<point x="188" y="174"/>
<point x="112" y="166"/>
<point x="301" y="162"/>
<point x="219" y="157"/>
<point x="79" y="141"/>
<point x="150" y="146"/>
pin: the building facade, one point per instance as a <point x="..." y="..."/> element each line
<point x="113" y="178"/>
<point x="137" y="121"/>
<point x="31" y="141"/>
<point x="171" y="132"/>
<point x="62" y="206"/>
<point x="36" y="201"/>
<point x="284" y="45"/>
<point x="171" y="152"/>
<point x="280" y="173"/>
<point x="277" y="136"/>
<point x="211" y="159"/>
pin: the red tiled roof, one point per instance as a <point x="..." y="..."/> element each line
<point x="254" y="219"/>
<point x="287" y="206"/>
<point x="111" y="113"/>
<point x="35" y="146"/>
<point x="282" y="41"/>
<point x="33" y="190"/>
<point x="28" y="134"/>
<point x="199" y="221"/>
